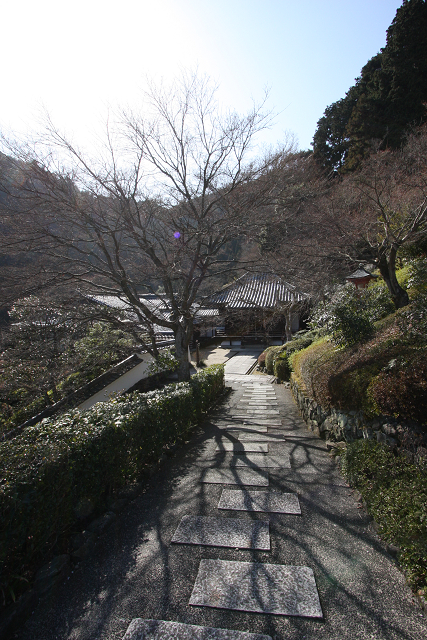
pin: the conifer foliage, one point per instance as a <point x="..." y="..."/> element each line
<point x="388" y="98"/>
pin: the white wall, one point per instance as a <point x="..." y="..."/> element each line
<point x="125" y="382"/>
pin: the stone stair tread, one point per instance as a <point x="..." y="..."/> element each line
<point x="140" y="629"/>
<point x="249" y="477"/>
<point x="240" y="447"/>
<point x="260" y="588"/>
<point x="223" y="532"/>
<point x="256" y="460"/>
<point x="264" y="501"/>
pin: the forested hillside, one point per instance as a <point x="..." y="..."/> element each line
<point x="388" y="98"/>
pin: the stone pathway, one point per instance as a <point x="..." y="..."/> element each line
<point x="246" y="586"/>
<point x="252" y="535"/>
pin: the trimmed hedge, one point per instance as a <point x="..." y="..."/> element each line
<point x="282" y="367"/>
<point x="276" y="358"/>
<point x="84" y="456"/>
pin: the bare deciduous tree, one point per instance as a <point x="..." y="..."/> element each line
<point x="321" y="228"/>
<point x="159" y="207"/>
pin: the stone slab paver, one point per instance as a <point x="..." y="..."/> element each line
<point x="258" y="460"/>
<point x="247" y="436"/>
<point x="245" y="427"/>
<point x="259" y="394"/>
<point x="261" y="405"/>
<point x="164" y="630"/>
<point x="223" y="532"/>
<point x="265" y="412"/>
<point x="240" y="447"/>
<point x="249" y="477"/>
<point x="253" y="421"/>
<point x="252" y="586"/>
<point x="240" y="364"/>
<point x="264" y="501"/>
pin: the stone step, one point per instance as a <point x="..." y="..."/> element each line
<point x="259" y="394"/>
<point x="140" y="629"/>
<point x="240" y="447"/>
<point x="264" y="501"/>
<point x="265" y="412"/>
<point x="223" y="532"/>
<point x="245" y="419"/>
<point x="254" y="403"/>
<point x="248" y="477"/>
<point x="260" y="588"/>
<point x="250" y="436"/>
<point x="257" y="428"/>
<point x="257" y="460"/>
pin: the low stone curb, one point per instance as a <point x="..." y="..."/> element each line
<point x="346" y="426"/>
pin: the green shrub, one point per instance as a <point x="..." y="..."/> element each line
<point x="349" y="314"/>
<point x="85" y="455"/>
<point x="270" y="356"/>
<point x="349" y="388"/>
<point x="350" y="326"/>
<point x="395" y="492"/>
<point x="282" y="367"/>
<point x="412" y="320"/>
<point x="301" y="342"/>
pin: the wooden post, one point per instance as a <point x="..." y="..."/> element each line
<point x="197" y="354"/>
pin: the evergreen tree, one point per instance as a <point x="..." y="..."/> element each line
<point x="331" y="142"/>
<point x="405" y="64"/>
<point x="389" y="97"/>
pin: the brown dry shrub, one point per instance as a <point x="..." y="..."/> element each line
<point x="402" y="390"/>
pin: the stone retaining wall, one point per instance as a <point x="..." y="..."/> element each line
<point x="341" y="426"/>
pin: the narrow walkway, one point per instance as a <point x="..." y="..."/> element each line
<point x="249" y="533"/>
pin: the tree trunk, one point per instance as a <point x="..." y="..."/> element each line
<point x="288" y="325"/>
<point x="183" y="334"/>
<point x="387" y="267"/>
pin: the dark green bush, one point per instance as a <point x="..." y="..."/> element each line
<point x="395" y="492"/>
<point x="282" y="367"/>
<point x="270" y="356"/>
<point x="85" y="455"/>
<point x="349" y="314"/>
<point x="301" y="342"/>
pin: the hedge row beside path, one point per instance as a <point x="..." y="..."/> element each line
<point x="54" y="467"/>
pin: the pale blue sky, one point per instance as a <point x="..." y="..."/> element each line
<point x="80" y="58"/>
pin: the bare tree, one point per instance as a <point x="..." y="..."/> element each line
<point x="322" y="228"/>
<point x="297" y="242"/>
<point x="158" y="208"/>
<point x="382" y="209"/>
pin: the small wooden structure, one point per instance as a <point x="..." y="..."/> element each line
<point x="360" y="278"/>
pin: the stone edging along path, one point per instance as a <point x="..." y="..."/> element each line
<point x="347" y="426"/>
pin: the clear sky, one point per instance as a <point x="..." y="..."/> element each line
<point x="80" y="58"/>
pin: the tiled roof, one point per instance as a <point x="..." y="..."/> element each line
<point x="261" y="290"/>
<point x="360" y="273"/>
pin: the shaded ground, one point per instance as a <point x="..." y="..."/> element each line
<point x="135" y="571"/>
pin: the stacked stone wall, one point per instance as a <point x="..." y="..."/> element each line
<point x="335" y="425"/>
